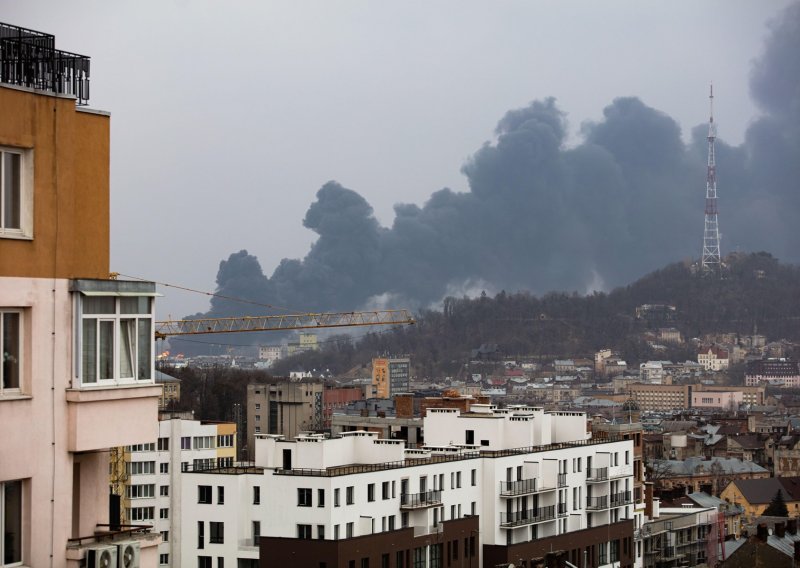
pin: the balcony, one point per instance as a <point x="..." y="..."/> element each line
<point x="528" y="517"/>
<point x="133" y="410"/>
<point x="522" y="487"/>
<point x="597" y="503"/>
<point x="616" y="472"/>
<point x="420" y="500"/>
<point x="596" y="474"/>
<point x="621" y="498"/>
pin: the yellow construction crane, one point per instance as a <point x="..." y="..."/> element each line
<point x="282" y="322"/>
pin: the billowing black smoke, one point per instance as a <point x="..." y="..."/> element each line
<point x="539" y="216"/>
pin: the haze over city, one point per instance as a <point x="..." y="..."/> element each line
<point x="227" y="120"/>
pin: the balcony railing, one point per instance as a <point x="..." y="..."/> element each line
<point x="420" y="500"/>
<point x="562" y="479"/>
<point x="597" y="503"/>
<point x="527" y="517"/>
<point x="28" y="58"/>
<point x="621" y="498"/>
<point x="597" y="474"/>
<point x="522" y="487"/>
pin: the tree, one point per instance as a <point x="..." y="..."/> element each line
<point x="777" y="507"/>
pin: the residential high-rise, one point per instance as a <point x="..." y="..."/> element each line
<point x="76" y="377"/>
<point x="390" y="376"/>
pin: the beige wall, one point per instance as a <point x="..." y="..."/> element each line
<point x="70" y="152"/>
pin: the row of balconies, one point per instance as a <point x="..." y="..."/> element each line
<point x="608" y="501"/>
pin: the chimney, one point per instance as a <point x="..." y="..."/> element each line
<point x="791" y="526"/>
<point x="780" y="530"/>
<point x="648" y="499"/>
<point x="762" y="532"/>
<point x="404" y="405"/>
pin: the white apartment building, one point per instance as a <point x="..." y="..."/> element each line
<point x="491" y="486"/>
<point x="153" y="474"/>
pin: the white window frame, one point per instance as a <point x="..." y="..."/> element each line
<point x="115" y="319"/>
<point x="2" y="521"/>
<point x="21" y="349"/>
<point x="25" y="229"/>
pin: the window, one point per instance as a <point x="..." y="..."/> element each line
<point x="116" y="339"/>
<point x="163" y="444"/>
<point x="473" y="477"/>
<point x="164" y="490"/>
<point x="204" y="494"/>
<point x="164" y="536"/>
<point x="371" y="492"/>
<point x="256" y="496"/>
<point x="225" y="441"/>
<point x="321" y="532"/>
<point x="10" y="522"/>
<point x="320" y="497"/>
<point x="258" y="405"/>
<point x="203" y="561"/>
<point x="141" y="448"/>
<point x="16" y="210"/>
<point x="140" y="491"/>
<point x="350" y="495"/>
<point x="304" y="531"/>
<point x="220" y="495"/>
<point x="256" y="532"/>
<point x="335" y="532"/>
<point x="163" y="468"/>
<point x="163" y="513"/>
<point x="391" y="523"/>
<point x="627" y="457"/>
<point x="458" y="479"/>
<point x="141" y="468"/>
<point x="163" y="558"/>
<point x="220" y="562"/>
<point x="10" y="350"/>
<point x="385" y="490"/>
<point x="203" y="442"/>
<point x="303" y="497"/>
<point x="349" y="532"/>
<point x="140" y="513"/>
<point x="217" y="533"/>
<point x="336" y="497"/>
<point x="258" y="429"/>
<point x="186" y="443"/>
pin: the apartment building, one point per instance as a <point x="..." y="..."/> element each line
<point x="686" y="536"/>
<point x="152" y="473"/>
<point x="76" y="377"/>
<point x="491" y="486"/>
<point x="286" y="407"/>
<point x="779" y="372"/>
<point x="390" y="376"/>
<point x="653" y="397"/>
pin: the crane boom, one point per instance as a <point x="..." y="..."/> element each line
<point x="282" y="322"/>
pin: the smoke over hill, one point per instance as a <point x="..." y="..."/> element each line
<point x="540" y="216"/>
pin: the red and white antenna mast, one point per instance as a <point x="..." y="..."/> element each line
<point x="711" y="262"/>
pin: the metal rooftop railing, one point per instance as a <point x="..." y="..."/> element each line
<point x="28" y="58"/>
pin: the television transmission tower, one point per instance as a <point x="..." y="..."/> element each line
<point x="711" y="263"/>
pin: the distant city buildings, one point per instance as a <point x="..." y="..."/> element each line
<point x="390" y="376"/>
<point x="779" y="372"/>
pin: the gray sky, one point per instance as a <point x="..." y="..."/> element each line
<point x="227" y="117"/>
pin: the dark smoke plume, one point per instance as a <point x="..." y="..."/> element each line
<point x="540" y="216"/>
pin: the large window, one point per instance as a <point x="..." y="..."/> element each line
<point x="10" y="350"/>
<point x="16" y="195"/>
<point x="116" y="339"/>
<point x="10" y="523"/>
<point x="303" y="497"/>
<point x="217" y="532"/>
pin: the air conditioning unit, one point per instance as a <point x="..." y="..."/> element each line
<point x="101" y="557"/>
<point x="128" y="554"/>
